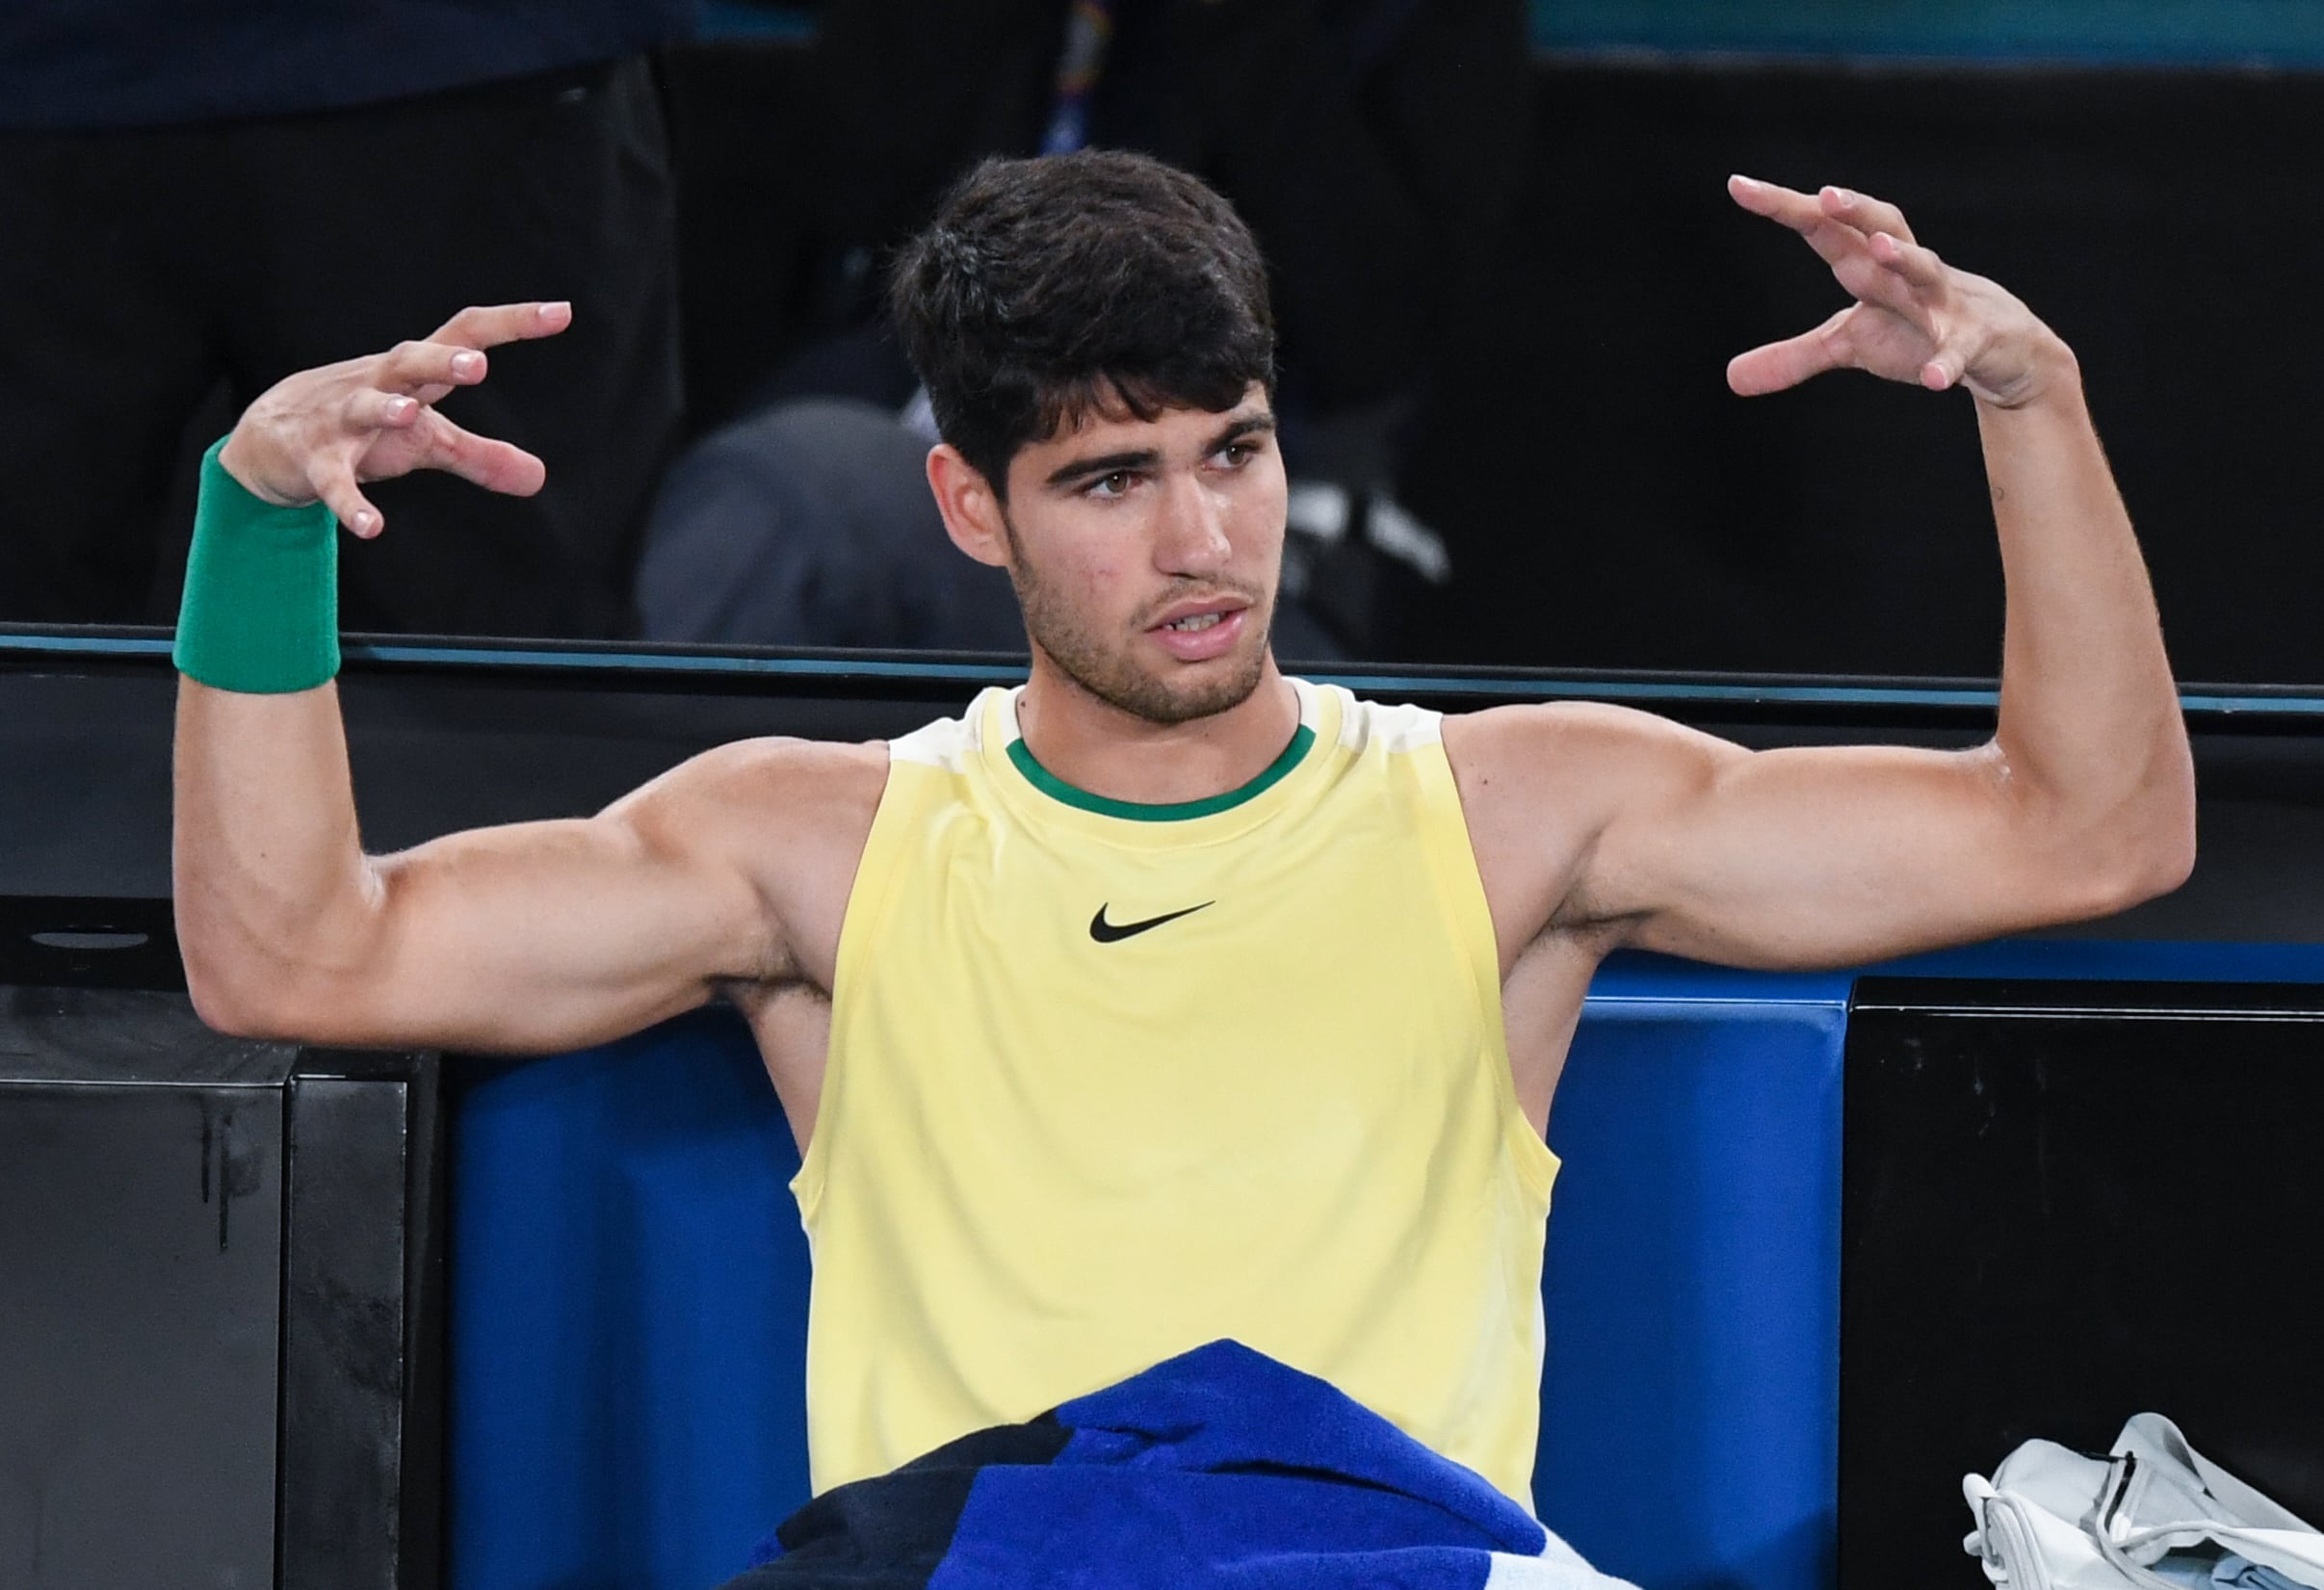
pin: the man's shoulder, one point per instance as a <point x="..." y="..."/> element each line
<point x="945" y="743"/>
<point x="790" y="817"/>
<point x="760" y="788"/>
<point x="1561" y="729"/>
<point x="1576" y="759"/>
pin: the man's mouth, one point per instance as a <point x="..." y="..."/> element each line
<point x="1202" y="631"/>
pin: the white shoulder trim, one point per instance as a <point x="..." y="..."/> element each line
<point x="1397" y="728"/>
<point x="949" y="743"/>
<point x="1004" y="716"/>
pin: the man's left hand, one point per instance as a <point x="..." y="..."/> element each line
<point x="1915" y="318"/>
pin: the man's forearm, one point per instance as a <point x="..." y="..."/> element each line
<point x="274" y="899"/>
<point x="2090" y="723"/>
<point x="269" y="874"/>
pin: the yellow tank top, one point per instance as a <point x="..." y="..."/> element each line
<point x="1107" y="1081"/>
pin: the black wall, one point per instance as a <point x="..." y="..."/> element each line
<point x="221" y="1283"/>
<point x="1610" y="505"/>
<point x="468" y="741"/>
<point x="2063" y="1205"/>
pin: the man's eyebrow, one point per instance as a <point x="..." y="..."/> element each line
<point x="1250" y="425"/>
<point x="1104" y="463"/>
<point x="1107" y="463"/>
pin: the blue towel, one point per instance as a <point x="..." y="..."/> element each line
<point x="1220" y="1467"/>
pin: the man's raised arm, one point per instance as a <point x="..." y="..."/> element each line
<point x="535" y="936"/>
<point x="2082" y="803"/>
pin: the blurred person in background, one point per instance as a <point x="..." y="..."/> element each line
<point x="196" y="199"/>
<point x="1374" y="146"/>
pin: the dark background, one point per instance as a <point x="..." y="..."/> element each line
<point x="2063" y="1205"/>
<point x="1610" y="505"/>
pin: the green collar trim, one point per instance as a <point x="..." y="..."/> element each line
<point x="1173" y="811"/>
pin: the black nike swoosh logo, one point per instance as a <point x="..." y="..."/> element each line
<point x="1109" y="932"/>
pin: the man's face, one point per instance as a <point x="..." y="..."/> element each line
<point x="1145" y="554"/>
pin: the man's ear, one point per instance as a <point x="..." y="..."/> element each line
<point x="973" y="515"/>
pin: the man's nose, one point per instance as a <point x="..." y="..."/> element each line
<point x="1193" y="536"/>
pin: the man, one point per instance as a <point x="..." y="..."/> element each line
<point x="1375" y="147"/>
<point x="1164" y="999"/>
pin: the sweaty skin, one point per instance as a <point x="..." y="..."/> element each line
<point x="1594" y="826"/>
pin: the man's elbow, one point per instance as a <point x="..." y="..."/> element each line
<point x="242" y="1005"/>
<point x="2162" y="843"/>
<point x="211" y="962"/>
<point x="2162" y="861"/>
<point x="2147" y="853"/>
<point x="248" y="992"/>
<point x="2102" y="842"/>
<point x="225" y="1008"/>
<point x="288" y="976"/>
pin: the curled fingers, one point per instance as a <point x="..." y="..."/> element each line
<point x="484" y="461"/>
<point x="1872" y="279"/>
<point x="427" y="370"/>
<point x="368" y="408"/>
<point x="1926" y="279"/>
<point x="1908" y="260"/>
<point x="331" y="475"/>
<point x="1842" y="227"/>
<point x="1947" y="365"/>
<point x="1864" y="212"/>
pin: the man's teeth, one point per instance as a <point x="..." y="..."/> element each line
<point x="1194" y="622"/>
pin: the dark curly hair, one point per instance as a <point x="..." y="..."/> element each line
<point x="1099" y="282"/>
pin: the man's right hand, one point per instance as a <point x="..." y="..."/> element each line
<point x="315" y="436"/>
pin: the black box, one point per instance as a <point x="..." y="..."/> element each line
<point x="221" y="1283"/>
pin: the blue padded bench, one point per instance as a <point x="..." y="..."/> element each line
<point x="628" y="1299"/>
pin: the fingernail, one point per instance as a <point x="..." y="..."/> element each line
<point x="468" y="364"/>
<point x="550" y="311"/>
<point x="365" y="523"/>
<point x="1844" y="195"/>
<point x="1740" y="180"/>
<point x="399" y="409"/>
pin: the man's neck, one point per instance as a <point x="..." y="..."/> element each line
<point x="1099" y="748"/>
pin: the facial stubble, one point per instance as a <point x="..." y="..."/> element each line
<point x="1109" y="672"/>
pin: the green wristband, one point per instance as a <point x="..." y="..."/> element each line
<point x="261" y="610"/>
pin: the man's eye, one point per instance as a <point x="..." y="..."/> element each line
<point x="1112" y="486"/>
